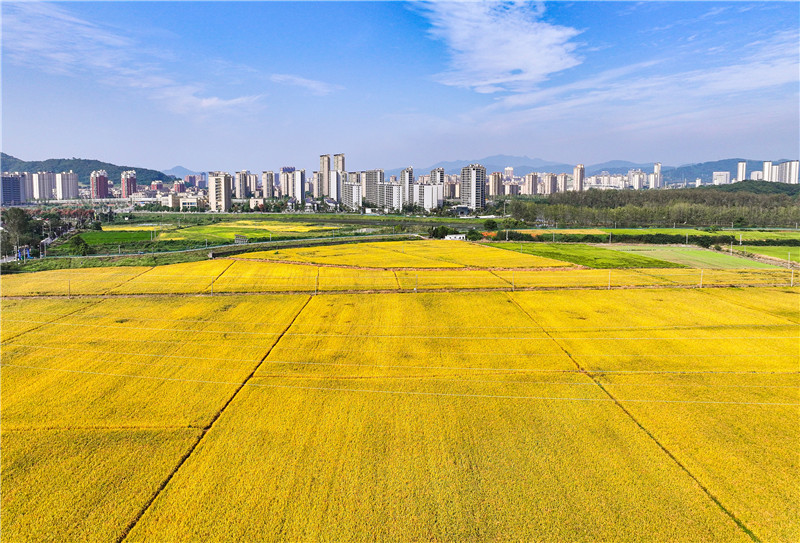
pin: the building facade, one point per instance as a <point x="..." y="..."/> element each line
<point x="219" y="191"/>
<point x="473" y="186"/>
<point x="98" y="182"/>
<point x="128" y="180"/>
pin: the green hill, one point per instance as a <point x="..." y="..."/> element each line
<point x="83" y="167"/>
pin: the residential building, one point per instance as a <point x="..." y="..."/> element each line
<point x="508" y="173"/>
<point x="473" y="186"/>
<point x="530" y="183"/>
<point x="549" y="183"/>
<point x="66" y="185"/>
<point x="578" y="178"/>
<point x="636" y="179"/>
<point x="767" y="170"/>
<point x="427" y="195"/>
<point x="240" y="184"/>
<point x="335" y="180"/>
<point x="390" y="196"/>
<point x="324" y="176"/>
<point x="788" y="172"/>
<point x="11" y="190"/>
<point x="44" y="185"/>
<point x="658" y="180"/>
<point x="495" y="184"/>
<point x="128" y="181"/>
<point x="219" y="191"/>
<point x="741" y="171"/>
<point x="561" y="180"/>
<point x="98" y="181"/>
<point x="351" y="195"/>
<point x="338" y="163"/>
<point x="285" y="179"/>
<point x="721" y="178"/>
<point x="437" y="176"/>
<point x="369" y="183"/>
<point x="268" y="184"/>
<point x="407" y="180"/>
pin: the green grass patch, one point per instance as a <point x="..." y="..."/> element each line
<point x="784" y="253"/>
<point x="694" y="258"/>
<point x="588" y="255"/>
<point x="100" y="237"/>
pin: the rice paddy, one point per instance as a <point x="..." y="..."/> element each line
<point x="430" y="398"/>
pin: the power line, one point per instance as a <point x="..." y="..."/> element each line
<point x="399" y="392"/>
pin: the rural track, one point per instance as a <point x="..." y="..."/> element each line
<point x="647" y="432"/>
<point x="207" y="428"/>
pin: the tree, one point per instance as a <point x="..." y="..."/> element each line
<point x="490" y="224"/>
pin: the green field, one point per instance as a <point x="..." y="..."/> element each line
<point x="692" y="257"/>
<point x="588" y="255"/>
<point x="782" y="252"/>
<point x="101" y="237"/>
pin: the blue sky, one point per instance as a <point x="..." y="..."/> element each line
<point x="259" y="85"/>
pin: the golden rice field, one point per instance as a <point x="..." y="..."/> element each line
<point x="658" y="414"/>
<point x="410" y="254"/>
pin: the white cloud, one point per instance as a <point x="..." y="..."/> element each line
<point x="48" y="37"/>
<point x="320" y="88"/>
<point x="496" y="46"/>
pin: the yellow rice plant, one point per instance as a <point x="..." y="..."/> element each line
<point x="184" y="278"/>
<point x="83" y="485"/>
<point x="137" y="361"/>
<point x="244" y="276"/>
<point x="738" y="444"/>
<point x="328" y="462"/>
<point x="70" y="281"/>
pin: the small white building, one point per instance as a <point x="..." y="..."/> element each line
<point x="459" y="237"/>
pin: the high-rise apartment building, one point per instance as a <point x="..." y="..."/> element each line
<point x="335" y="181"/>
<point x="636" y="179"/>
<point x="658" y="181"/>
<point x="11" y="189"/>
<point x="427" y="196"/>
<point x="98" y="182"/>
<point x="549" y="183"/>
<point x="508" y="173"/>
<point x="561" y="179"/>
<point x="351" y="195"/>
<point x="530" y="183"/>
<point x="66" y="185"/>
<point x="338" y="163"/>
<point x="741" y="171"/>
<point x="268" y="184"/>
<point x="437" y="176"/>
<point x="495" y="184"/>
<point x="44" y="185"/>
<point x="370" y="181"/>
<point x="241" y="184"/>
<point x="128" y="180"/>
<point x="767" y="170"/>
<point x="473" y="186"/>
<point x="324" y="176"/>
<point x="788" y="172"/>
<point x="578" y="178"/>
<point x="406" y="180"/>
<point x="219" y="191"/>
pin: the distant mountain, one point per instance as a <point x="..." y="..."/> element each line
<point x="180" y="172"/>
<point x="496" y="163"/>
<point x="83" y="167"/>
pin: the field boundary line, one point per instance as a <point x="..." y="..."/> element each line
<point x="128" y="280"/>
<point x="647" y="432"/>
<point x="204" y="431"/>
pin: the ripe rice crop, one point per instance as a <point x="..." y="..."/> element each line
<point x="135" y="361"/>
<point x="244" y="276"/>
<point x="69" y="281"/>
<point x="83" y="485"/>
<point x="416" y="254"/>
<point x="189" y="277"/>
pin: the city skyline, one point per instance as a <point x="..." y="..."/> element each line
<point x="212" y="86"/>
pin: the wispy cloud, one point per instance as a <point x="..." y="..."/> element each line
<point x="496" y="46"/>
<point x="319" y="88"/>
<point x="50" y="38"/>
